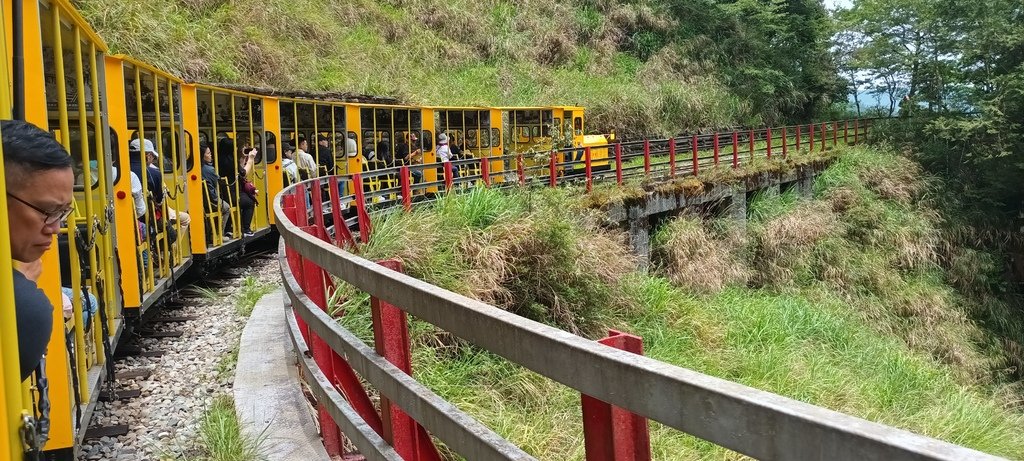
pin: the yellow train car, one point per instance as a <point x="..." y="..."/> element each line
<point x="228" y="122"/>
<point x="59" y="86"/>
<point x="145" y="111"/>
<point x="534" y="132"/>
<point x="474" y="133"/>
<point x="346" y="138"/>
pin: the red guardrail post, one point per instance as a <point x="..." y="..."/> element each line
<point x="810" y="136"/>
<point x="449" y="176"/>
<point x="716" y="148"/>
<point x="587" y="168"/>
<point x="485" y="171"/>
<point x="362" y="217"/>
<point x="835" y="133"/>
<point x="318" y="207"/>
<point x="693" y="142"/>
<point x="405" y="180"/>
<point x="823" y="134"/>
<point x="647" y="156"/>
<point x="768" y="134"/>
<point x="553" y="169"/>
<point x="785" y="143"/>
<point x="391" y="341"/>
<point x="672" y="157"/>
<point x="751" y="145"/>
<point x="301" y="205"/>
<point x="612" y="433"/>
<point x="520" y="170"/>
<point x="294" y="258"/>
<point x="618" y="163"/>
<point x="342" y="236"/>
<point x="735" y="149"/>
<point x="798" y="133"/>
<point x="312" y="283"/>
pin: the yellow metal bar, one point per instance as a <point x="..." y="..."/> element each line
<point x="10" y="363"/>
<point x="218" y="233"/>
<point x="334" y="142"/>
<point x="315" y="140"/>
<point x="236" y="208"/>
<point x="107" y="257"/>
<point x="162" y="241"/>
<point x="179" y="246"/>
<point x="147" y="265"/>
<point x="83" y="144"/>
<point x="65" y="140"/>
<point x="10" y="368"/>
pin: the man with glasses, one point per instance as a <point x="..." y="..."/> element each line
<point x="39" y="180"/>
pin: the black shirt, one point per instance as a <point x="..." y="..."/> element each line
<point x="212" y="180"/>
<point x="325" y="156"/>
<point x="35" y="322"/>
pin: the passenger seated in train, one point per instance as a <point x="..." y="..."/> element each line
<point x="305" y="162"/>
<point x="444" y="153"/>
<point x="384" y="154"/>
<point x="144" y="169"/>
<point x="152" y="164"/>
<point x="289" y="169"/>
<point x="325" y="155"/>
<point x="247" y="190"/>
<point x="410" y="153"/>
<point x="212" y="200"/>
<point x="351" y="147"/>
<point x="40" y="182"/>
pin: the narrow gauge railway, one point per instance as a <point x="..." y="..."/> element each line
<point x="173" y="178"/>
<point x="158" y="195"/>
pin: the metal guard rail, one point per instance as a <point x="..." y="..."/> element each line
<point x="756" y="423"/>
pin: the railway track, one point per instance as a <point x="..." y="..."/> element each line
<point x="171" y="367"/>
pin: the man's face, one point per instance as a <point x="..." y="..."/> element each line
<point x="47" y="190"/>
<point x="412" y="138"/>
<point x="150" y="158"/>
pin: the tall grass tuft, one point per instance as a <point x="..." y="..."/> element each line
<point x="221" y="435"/>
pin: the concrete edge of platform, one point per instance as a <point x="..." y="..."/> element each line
<point x="268" y="397"/>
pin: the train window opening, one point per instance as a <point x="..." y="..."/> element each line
<point x="271" y="147"/>
<point x="495" y="137"/>
<point x="189" y="152"/>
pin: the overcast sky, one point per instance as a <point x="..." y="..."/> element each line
<point x="833" y="4"/>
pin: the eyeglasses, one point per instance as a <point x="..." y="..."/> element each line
<point x="52" y="217"/>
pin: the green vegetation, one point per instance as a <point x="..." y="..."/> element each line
<point x="639" y="67"/>
<point x="844" y="301"/>
<point x="221" y="436"/>
<point x="249" y="294"/>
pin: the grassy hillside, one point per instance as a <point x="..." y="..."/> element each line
<point x="641" y="67"/>
<point x="853" y="301"/>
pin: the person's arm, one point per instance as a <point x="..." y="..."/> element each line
<point x="249" y="159"/>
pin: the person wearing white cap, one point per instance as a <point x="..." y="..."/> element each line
<point x="156" y="187"/>
<point x="443" y="152"/>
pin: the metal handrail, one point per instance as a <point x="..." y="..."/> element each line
<point x="737" y="417"/>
